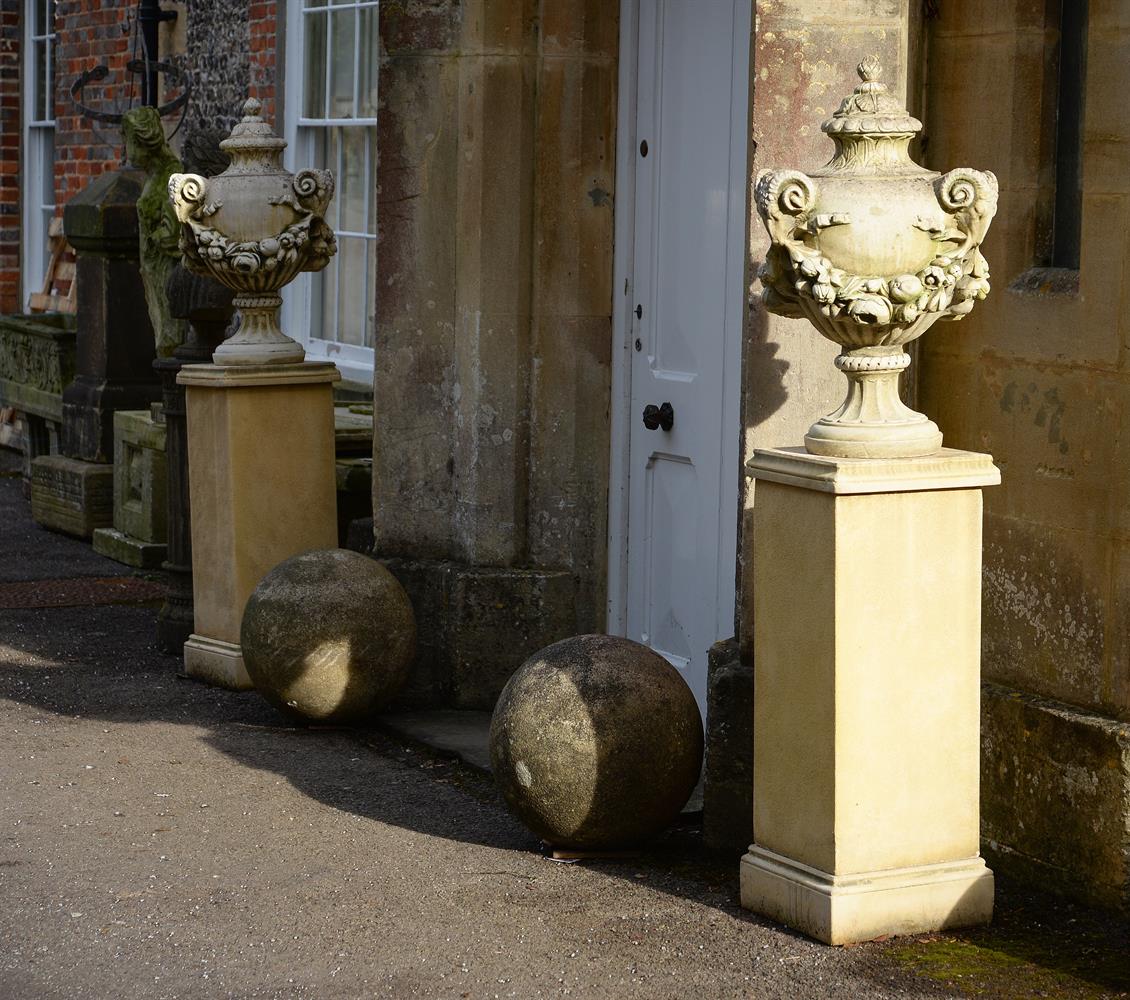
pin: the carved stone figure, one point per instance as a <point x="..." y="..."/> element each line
<point x="873" y="249"/>
<point x="147" y="149"/>
<point x="254" y="228"/>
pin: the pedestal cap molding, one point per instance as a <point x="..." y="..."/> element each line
<point x="947" y="469"/>
<point x="240" y="376"/>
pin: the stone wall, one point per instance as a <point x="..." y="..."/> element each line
<point x="495" y="182"/>
<point x="1038" y="377"/>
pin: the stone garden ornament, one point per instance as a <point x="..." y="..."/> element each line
<point x="147" y="148"/>
<point x="873" y="250"/>
<point x="254" y="228"/>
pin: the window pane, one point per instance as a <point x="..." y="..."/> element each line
<point x="326" y="150"/>
<point x="371" y="292"/>
<point x="343" y="38"/>
<point x="314" y="66"/>
<point x="370" y="46"/>
<point x="46" y="145"/>
<point x="352" y="262"/>
<point x="323" y="296"/>
<point x="354" y="180"/>
<point x="41" y="15"/>
<point x="40" y="81"/>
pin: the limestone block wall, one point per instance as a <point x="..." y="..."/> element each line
<point x="496" y="140"/>
<point x="1038" y="376"/>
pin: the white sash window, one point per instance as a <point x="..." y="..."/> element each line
<point x="331" y="118"/>
<point x="37" y="188"/>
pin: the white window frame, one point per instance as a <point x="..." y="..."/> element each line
<point x="355" y="362"/>
<point x="36" y="172"/>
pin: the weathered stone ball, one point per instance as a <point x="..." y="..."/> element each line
<point x="596" y="743"/>
<point x="328" y="636"/>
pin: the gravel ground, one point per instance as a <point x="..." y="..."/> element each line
<point x="163" y="839"/>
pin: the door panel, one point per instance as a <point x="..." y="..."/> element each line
<point x="688" y="254"/>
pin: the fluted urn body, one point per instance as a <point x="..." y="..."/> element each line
<point x="253" y="228"/>
<point x="873" y="249"/>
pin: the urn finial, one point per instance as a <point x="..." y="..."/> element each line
<point x="870" y="69"/>
<point x="871" y="110"/>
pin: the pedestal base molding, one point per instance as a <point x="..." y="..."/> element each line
<point x="841" y="909"/>
<point x="216" y="662"/>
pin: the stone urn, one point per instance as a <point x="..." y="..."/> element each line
<point x="873" y="250"/>
<point x="253" y="228"/>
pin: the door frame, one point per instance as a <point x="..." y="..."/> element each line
<point x="737" y="294"/>
<point x="623" y="272"/>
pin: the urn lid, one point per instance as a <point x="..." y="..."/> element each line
<point x="252" y="138"/>
<point x="870" y="110"/>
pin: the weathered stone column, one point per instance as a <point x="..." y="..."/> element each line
<point x="493" y="344"/>
<point x="867" y="554"/>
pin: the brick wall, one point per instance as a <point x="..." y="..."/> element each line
<point x="89" y="33"/>
<point x="263" y="25"/>
<point x="9" y="155"/>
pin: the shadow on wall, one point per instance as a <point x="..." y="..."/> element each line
<point x="763" y="372"/>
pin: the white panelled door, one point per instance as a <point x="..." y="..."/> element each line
<point x="687" y="288"/>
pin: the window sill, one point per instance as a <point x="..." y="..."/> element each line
<point x="1047" y="282"/>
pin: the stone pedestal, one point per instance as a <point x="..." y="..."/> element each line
<point x="867" y="590"/>
<point x="115" y="348"/>
<point x="113" y="356"/>
<point x="262" y="486"/>
<point x="138" y="537"/>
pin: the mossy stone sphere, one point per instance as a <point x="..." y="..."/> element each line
<point x="596" y="743"/>
<point x="329" y="636"/>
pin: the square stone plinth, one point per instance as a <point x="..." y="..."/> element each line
<point x="262" y="486"/>
<point x="867" y="623"/>
<point x="139" y="476"/>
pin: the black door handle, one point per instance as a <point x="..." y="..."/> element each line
<point x="655" y="417"/>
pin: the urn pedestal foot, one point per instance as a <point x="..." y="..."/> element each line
<point x="216" y="662"/>
<point x="873" y="421"/>
<point x="867" y="591"/>
<point x="262" y="489"/>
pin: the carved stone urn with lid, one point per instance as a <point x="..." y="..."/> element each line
<point x="873" y="250"/>
<point x="253" y="228"/>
